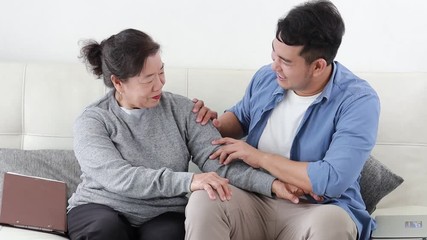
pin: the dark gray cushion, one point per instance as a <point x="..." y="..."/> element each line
<point x="376" y="182"/>
<point x="60" y="165"/>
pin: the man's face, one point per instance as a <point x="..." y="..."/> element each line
<point x="293" y="73"/>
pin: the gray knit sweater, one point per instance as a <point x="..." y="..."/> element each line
<point x="137" y="164"/>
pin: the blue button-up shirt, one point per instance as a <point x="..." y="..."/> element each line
<point x="336" y="134"/>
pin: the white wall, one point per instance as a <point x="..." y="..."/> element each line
<point x="381" y="35"/>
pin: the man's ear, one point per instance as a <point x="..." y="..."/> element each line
<point x="319" y="65"/>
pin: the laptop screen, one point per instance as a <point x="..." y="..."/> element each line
<point x="33" y="202"/>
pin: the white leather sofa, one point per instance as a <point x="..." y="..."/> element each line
<point x="40" y="101"/>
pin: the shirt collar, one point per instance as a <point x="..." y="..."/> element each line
<point x="279" y="90"/>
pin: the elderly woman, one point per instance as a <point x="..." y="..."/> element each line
<point x="134" y="146"/>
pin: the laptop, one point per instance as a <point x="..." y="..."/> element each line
<point x="400" y="227"/>
<point x="34" y="203"/>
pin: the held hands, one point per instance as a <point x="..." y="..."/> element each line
<point x="233" y="149"/>
<point x="212" y="183"/>
<point x="204" y="114"/>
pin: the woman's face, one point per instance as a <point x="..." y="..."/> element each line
<point x="145" y="89"/>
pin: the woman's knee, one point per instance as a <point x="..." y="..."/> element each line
<point x="98" y="222"/>
<point x="168" y="226"/>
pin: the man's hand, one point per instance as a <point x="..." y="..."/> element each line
<point x="233" y="149"/>
<point x="287" y="191"/>
<point x="216" y="123"/>
<point x="315" y="197"/>
<point x="292" y="193"/>
<point x="204" y="114"/>
<point x="212" y="183"/>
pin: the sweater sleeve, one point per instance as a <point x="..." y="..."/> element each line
<point x="239" y="173"/>
<point x="103" y="165"/>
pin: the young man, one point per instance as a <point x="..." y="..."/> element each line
<point x="309" y="122"/>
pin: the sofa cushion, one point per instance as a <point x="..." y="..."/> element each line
<point x="376" y="182"/>
<point x="60" y="165"/>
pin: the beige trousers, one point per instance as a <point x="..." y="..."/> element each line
<point x="248" y="216"/>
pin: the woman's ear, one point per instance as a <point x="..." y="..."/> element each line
<point x="117" y="83"/>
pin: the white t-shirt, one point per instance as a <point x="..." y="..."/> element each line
<point x="283" y="123"/>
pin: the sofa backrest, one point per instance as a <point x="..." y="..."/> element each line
<point x="41" y="100"/>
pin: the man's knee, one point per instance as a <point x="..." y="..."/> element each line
<point x="332" y="222"/>
<point x="206" y="218"/>
<point x="200" y="206"/>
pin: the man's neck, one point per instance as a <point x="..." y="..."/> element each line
<point x="318" y="83"/>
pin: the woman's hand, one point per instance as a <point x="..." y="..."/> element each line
<point x="212" y="183"/>
<point x="233" y="149"/>
<point x="204" y="114"/>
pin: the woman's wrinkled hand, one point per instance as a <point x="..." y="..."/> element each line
<point x="213" y="184"/>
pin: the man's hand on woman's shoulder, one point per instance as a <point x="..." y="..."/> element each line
<point x="204" y="114"/>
